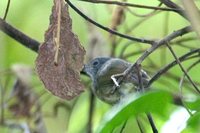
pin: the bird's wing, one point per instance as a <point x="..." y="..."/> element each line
<point x="114" y="66"/>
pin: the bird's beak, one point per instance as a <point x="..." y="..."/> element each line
<point x="84" y="71"/>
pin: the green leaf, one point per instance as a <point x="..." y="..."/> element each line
<point x="193" y="105"/>
<point x="194" y="120"/>
<point x="154" y="101"/>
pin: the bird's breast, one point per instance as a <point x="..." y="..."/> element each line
<point x="108" y="93"/>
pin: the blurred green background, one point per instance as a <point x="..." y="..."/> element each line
<point x="32" y="18"/>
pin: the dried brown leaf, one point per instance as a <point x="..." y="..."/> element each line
<point x="60" y="57"/>
<point x="25" y="99"/>
<point x="118" y="17"/>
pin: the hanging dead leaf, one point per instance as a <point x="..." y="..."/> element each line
<point x="118" y="17"/>
<point x="60" y="57"/>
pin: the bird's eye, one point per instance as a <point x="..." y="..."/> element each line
<point x="95" y="63"/>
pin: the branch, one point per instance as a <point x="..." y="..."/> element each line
<point x="188" y="69"/>
<point x="123" y="127"/>
<point x="139" y="125"/>
<point x="7" y="9"/>
<point x="142" y="15"/>
<point x="137" y="24"/>
<point x="172" y="64"/>
<point x="173" y="5"/>
<point x="19" y="36"/>
<point x="156" y="45"/>
<point x="91" y="112"/>
<point x="182" y="68"/>
<point x="163" y="41"/>
<point x="130" y="5"/>
<point x="108" y="29"/>
<point x="153" y="126"/>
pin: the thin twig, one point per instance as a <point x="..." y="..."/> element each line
<point x="163" y="41"/>
<point x="175" y="77"/>
<point x="130" y="5"/>
<point x="139" y="125"/>
<point x="182" y="68"/>
<point x="7" y="9"/>
<point x="145" y="41"/>
<point x="90" y="113"/>
<point x="173" y="5"/>
<point x="136" y="25"/>
<point x="184" y="40"/>
<point x="153" y="126"/>
<point x="171" y="75"/>
<point x="181" y="84"/>
<point x="189" y="68"/>
<point x="123" y="127"/>
<point x="156" y="45"/>
<point x="144" y="15"/>
<point x="173" y="63"/>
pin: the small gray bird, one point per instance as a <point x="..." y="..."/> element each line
<point x="102" y="71"/>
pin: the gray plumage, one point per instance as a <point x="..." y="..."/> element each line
<point x="100" y="71"/>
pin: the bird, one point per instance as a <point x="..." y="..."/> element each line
<point x="104" y="73"/>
